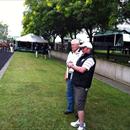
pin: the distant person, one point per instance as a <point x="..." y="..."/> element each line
<point x="45" y="51"/>
<point x="11" y="48"/>
<point x="81" y="80"/>
<point x="72" y="58"/>
<point x="49" y="51"/>
<point x="36" y="50"/>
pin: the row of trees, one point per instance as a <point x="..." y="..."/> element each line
<point x="3" y="31"/>
<point x="50" y="18"/>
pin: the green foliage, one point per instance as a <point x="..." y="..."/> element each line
<point x="62" y="17"/>
<point x="3" y="31"/>
<point x="125" y="11"/>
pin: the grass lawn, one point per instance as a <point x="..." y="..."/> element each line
<point x="32" y="97"/>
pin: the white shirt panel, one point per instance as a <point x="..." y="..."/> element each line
<point x="73" y="57"/>
<point x="88" y="63"/>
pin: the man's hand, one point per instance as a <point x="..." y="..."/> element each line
<point x="65" y="77"/>
<point x="70" y="64"/>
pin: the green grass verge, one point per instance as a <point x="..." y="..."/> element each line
<point x="32" y="97"/>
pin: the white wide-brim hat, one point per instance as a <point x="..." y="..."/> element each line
<point x="86" y="44"/>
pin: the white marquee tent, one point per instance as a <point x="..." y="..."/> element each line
<point x="32" y="38"/>
<point x="29" y="41"/>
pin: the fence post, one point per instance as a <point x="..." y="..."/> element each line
<point x="108" y="52"/>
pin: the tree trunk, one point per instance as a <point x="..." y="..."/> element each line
<point x="90" y="34"/>
<point x="62" y="43"/>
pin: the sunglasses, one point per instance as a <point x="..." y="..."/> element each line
<point x="83" y="47"/>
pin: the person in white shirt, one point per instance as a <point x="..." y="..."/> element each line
<point x="11" y="48"/>
<point x="72" y="58"/>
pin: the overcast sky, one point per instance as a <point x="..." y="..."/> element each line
<point x="11" y="13"/>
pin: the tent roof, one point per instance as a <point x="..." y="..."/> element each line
<point x="107" y="33"/>
<point x="32" y="38"/>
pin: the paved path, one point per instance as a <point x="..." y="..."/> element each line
<point x="5" y="58"/>
<point x="115" y="84"/>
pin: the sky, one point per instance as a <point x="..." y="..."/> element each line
<point x="11" y="13"/>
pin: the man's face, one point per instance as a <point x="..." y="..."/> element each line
<point x="85" y="50"/>
<point x="74" y="47"/>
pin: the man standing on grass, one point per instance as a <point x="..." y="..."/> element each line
<point x="82" y="78"/>
<point x="72" y="58"/>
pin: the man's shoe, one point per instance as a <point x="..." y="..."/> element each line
<point x="67" y="112"/>
<point x="81" y="128"/>
<point x="76" y="124"/>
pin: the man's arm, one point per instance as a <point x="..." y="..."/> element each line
<point x="66" y="74"/>
<point x="77" y="68"/>
<point x="86" y="65"/>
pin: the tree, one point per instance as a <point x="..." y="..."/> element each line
<point x="89" y="14"/>
<point x="29" y="17"/>
<point x="125" y="11"/>
<point x="97" y="15"/>
<point x="44" y="19"/>
<point x="60" y="17"/>
<point x="3" y="31"/>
